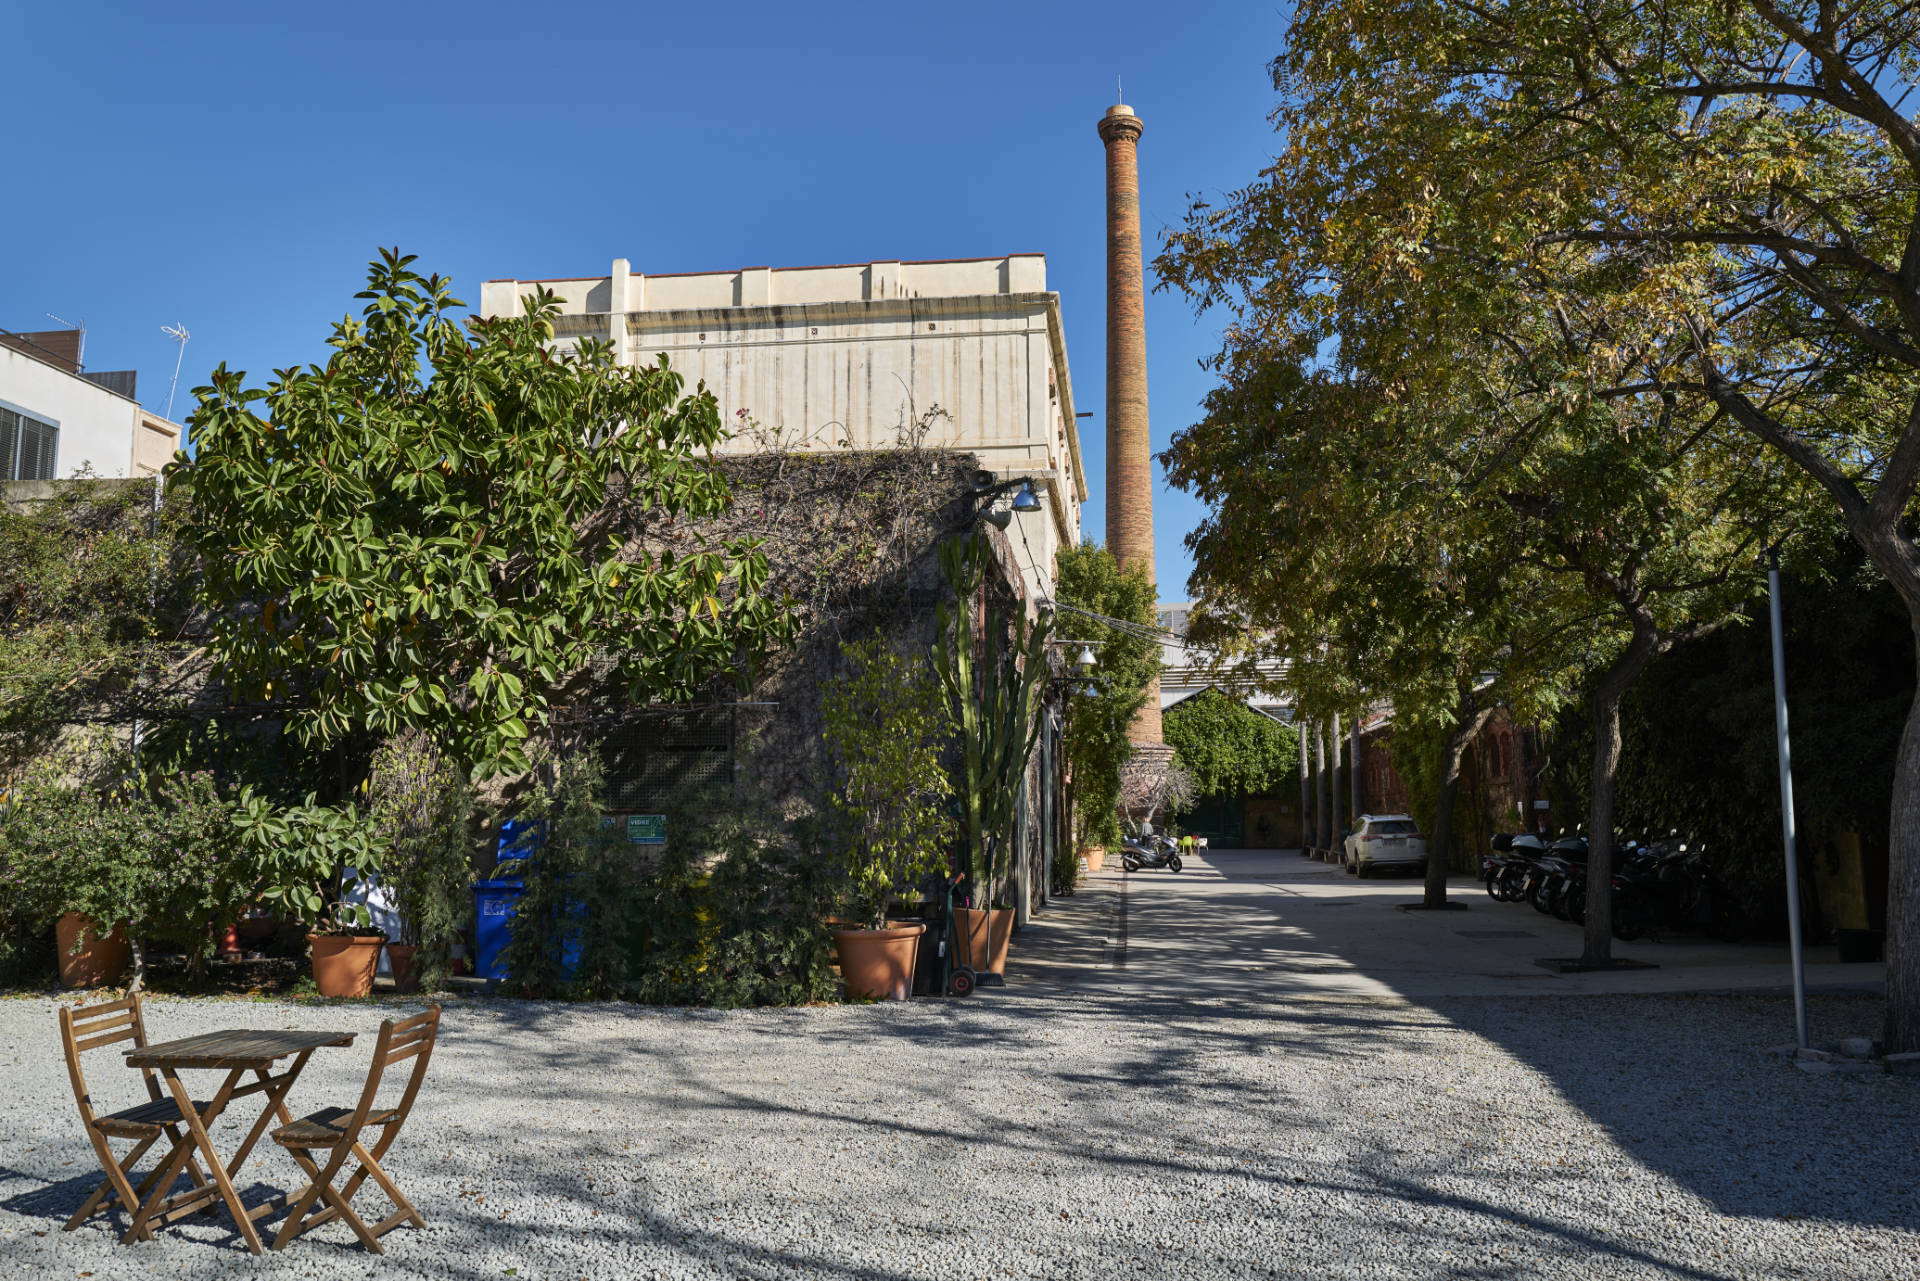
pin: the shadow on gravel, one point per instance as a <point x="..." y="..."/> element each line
<point x="1683" y="1085"/>
<point x="55" y="1202"/>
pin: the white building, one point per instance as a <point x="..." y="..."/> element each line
<point x="56" y="420"/>
<point x="854" y="355"/>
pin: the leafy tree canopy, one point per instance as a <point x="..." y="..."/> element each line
<point x="1707" y="210"/>
<point x="446" y="546"/>
<point x="1230" y="749"/>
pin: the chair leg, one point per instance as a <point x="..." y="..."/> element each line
<point x="297" y="1216"/>
<point x="115" y="1184"/>
<point x="339" y="1205"/>
<point x="400" y="1202"/>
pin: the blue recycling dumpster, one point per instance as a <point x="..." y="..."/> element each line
<point x="493" y="904"/>
<point x="496" y="901"/>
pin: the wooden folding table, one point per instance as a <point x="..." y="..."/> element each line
<point x="238" y="1051"/>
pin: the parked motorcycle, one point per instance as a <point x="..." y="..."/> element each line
<point x="1669" y="886"/>
<point x="1149" y="852"/>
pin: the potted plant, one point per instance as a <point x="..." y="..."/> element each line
<point x="995" y="700"/>
<point x="884" y="727"/>
<point x="308" y="857"/>
<point x="423" y="808"/>
<point x="64" y="864"/>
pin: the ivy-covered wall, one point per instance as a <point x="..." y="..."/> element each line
<point x="1245" y="766"/>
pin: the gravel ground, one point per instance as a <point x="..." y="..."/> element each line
<point x="1057" y="1133"/>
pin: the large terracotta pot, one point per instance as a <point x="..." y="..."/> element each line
<point x="99" y="961"/>
<point x="400" y="958"/>
<point x="1096" y="856"/>
<point x="985" y="934"/>
<point x="879" y="963"/>
<point x="344" y="966"/>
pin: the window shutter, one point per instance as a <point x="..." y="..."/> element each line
<point x="9" y="442"/>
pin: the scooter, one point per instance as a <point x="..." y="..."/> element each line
<point x="1163" y="853"/>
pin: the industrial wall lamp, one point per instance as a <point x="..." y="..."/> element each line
<point x="985" y="490"/>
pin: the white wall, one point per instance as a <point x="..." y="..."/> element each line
<point x="97" y="428"/>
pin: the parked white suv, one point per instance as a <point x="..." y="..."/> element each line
<point x="1384" y="840"/>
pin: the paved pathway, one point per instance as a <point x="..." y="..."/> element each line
<point x="1271" y="1085"/>
<point x="1268" y="924"/>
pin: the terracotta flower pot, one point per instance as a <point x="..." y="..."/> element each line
<point x="879" y="963"/>
<point x="984" y="938"/>
<point x="400" y="960"/>
<point x="344" y="966"/>
<point x="229" y="941"/>
<point x="99" y="961"/>
<point x="1096" y="857"/>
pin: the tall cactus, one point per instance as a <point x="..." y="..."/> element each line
<point x="996" y="701"/>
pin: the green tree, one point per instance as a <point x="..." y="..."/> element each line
<point x="450" y="547"/>
<point x="1706" y="204"/>
<point x="1340" y="539"/>
<point x="1091" y="581"/>
<point x="1230" y="749"/>
<point x="886" y="722"/>
<point x="423" y="805"/>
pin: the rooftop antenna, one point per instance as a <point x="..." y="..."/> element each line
<point x="80" y="357"/>
<point x="1119" y="94"/>
<point x="180" y="335"/>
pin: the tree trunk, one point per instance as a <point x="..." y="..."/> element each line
<point x="1436" y="887"/>
<point x="1323" y="811"/>
<point x="1355" y="781"/>
<point x="1306" y="842"/>
<point x="1901" y="1029"/>
<point x="139" y="983"/>
<point x="1439" y="847"/>
<point x="1647" y="644"/>
<point x="1338" y="809"/>
<point x="1606" y="764"/>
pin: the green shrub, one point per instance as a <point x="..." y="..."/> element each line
<point x="885" y="722"/>
<point x="729" y="913"/>
<point x="422" y="805"/>
<point x="305" y="858"/>
<point x="156" y="852"/>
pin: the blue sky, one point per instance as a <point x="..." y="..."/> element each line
<point x="232" y="167"/>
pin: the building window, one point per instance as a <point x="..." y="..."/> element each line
<point x="27" y="447"/>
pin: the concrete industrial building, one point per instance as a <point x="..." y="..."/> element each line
<point x="820" y="358"/>
<point x="57" y="420"/>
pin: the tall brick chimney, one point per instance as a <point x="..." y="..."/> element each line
<point x="1129" y="454"/>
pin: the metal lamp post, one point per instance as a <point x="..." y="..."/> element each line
<point x="1786" y="797"/>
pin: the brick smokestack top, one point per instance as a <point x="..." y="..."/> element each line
<point x="1129" y="454"/>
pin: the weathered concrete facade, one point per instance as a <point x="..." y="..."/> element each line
<point x="854" y="356"/>
<point x="1129" y="446"/>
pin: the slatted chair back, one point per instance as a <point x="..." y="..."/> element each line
<point x="400" y="1040"/>
<point x="95" y="1027"/>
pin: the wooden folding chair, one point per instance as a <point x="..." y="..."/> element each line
<point x="337" y="1131"/>
<point x="94" y="1027"/>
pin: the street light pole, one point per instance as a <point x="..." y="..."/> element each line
<point x="1786" y="797"/>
